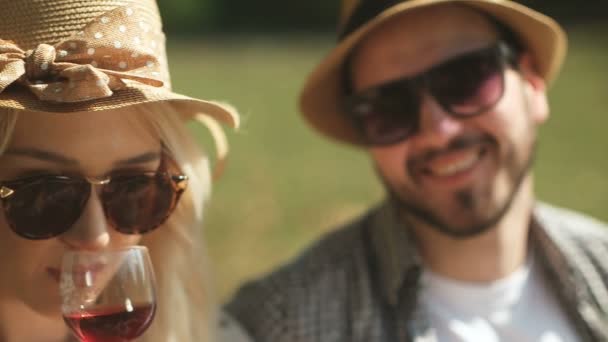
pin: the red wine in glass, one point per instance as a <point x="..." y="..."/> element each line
<point x="119" y="324"/>
<point x="108" y="296"/>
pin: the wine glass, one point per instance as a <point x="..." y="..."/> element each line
<point x="108" y="296"/>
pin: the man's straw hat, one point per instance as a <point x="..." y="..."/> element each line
<point x="321" y="97"/>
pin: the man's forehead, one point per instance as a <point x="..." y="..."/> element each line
<point x="445" y="29"/>
<point x="416" y="41"/>
<point x="437" y="22"/>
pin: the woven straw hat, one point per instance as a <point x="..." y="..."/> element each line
<point x="320" y="99"/>
<point x="74" y="55"/>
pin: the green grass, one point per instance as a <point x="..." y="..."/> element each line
<point x="285" y="185"/>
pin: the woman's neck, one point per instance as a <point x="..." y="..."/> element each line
<point x="19" y="323"/>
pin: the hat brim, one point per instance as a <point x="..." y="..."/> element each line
<point x="320" y="99"/>
<point x="21" y="99"/>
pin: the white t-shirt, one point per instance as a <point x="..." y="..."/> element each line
<point x="518" y="308"/>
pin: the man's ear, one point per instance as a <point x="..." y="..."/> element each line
<point x="534" y="89"/>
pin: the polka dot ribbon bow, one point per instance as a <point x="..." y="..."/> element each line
<point x="111" y="51"/>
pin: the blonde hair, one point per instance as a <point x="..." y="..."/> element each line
<point x="185" y="310"/>
<point x="8" y="118"/>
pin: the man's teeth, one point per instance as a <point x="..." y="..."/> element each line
<point x="457" y="166"/>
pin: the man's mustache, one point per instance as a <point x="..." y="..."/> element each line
<point x="457" y="144"/>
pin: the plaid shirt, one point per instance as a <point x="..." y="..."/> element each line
<point x="360" y="283"/>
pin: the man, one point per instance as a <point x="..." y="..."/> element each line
<point x="446" y="96"/>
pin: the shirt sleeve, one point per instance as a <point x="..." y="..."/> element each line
<point x="259" y="308"/>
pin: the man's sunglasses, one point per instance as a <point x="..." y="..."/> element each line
<point x="464" y="86"/>
<point x="45" y="206"/>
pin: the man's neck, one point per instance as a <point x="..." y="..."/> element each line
<point x="489" y="256"/>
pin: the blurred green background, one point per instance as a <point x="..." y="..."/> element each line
<point x="285" y="185"/>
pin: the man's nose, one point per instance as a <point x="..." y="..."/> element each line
<point x="91" y="230"/>
<point x="437" y="127"/>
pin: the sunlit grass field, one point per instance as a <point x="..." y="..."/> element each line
<point x="285" y="185"/>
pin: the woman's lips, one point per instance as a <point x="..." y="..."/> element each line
<point x="78" y="272"/>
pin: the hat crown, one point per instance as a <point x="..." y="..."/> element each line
<point x="346" y="10"/>
<point x="123" y="36"/>
<point x="66" y="56"/>
<point x="29" y="23"/>
<point x="356" y="13"/>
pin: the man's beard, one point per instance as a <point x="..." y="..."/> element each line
<point x="467" y="200"/>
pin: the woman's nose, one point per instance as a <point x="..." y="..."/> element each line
<point x="91" y="230"/>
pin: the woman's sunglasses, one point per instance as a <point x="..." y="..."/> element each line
<point x="464" y="86"/>
<point x="42" y="207"/>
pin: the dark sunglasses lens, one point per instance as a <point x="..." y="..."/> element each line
<point x="45" y="207"/>
<point x="386" y="114"/>
<point x="469" y="85"/>
<point x="138" y="204"/>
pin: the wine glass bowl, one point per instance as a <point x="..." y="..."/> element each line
<point x="108" y="296"/>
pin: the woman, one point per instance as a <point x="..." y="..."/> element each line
<point x="85" y="94"/>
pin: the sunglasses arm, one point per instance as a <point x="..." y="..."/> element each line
<point x="181" y="182"/>
<point x="6" y="192"/>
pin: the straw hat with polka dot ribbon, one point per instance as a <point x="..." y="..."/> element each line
<point x="73" y="56"/>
